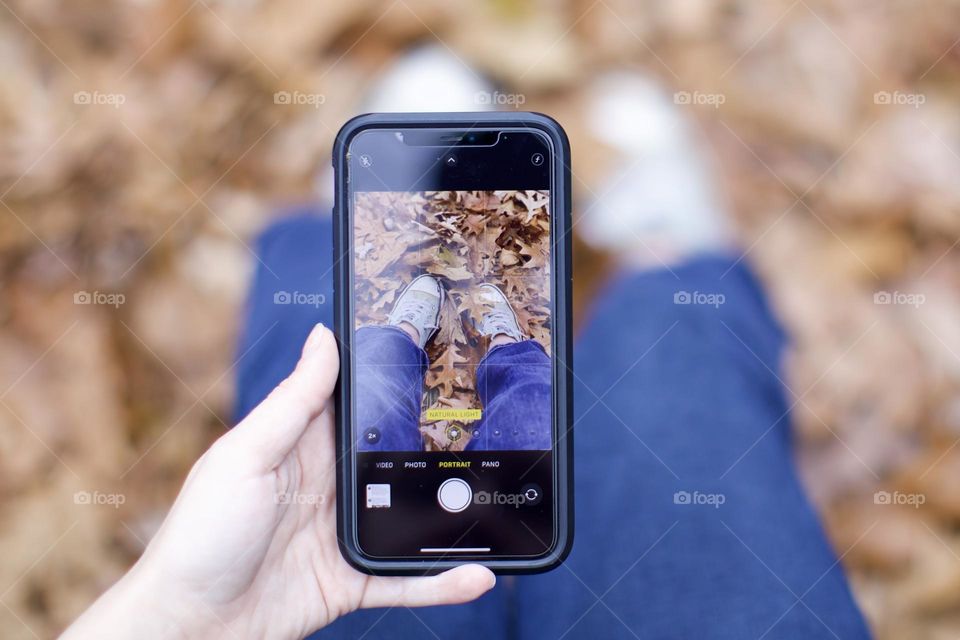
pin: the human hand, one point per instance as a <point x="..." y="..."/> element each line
<point x="249" y="548"/>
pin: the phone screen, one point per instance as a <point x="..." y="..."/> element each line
<point x="452" y="355"/>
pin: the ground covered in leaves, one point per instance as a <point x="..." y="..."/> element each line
<point x="841" y="182"/>
<point x="465" y="238"/>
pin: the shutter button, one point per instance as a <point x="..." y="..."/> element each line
<point x="454" y="495"/>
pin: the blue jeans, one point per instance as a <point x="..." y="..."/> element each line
<point x="389" y="371"/>
<point x="690" y="519"/>
<point x="513" y="382"/>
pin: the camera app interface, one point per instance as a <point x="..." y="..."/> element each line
<point x="451" y="365"/>
<point x="452" y="294"/>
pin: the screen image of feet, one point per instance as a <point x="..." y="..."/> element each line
<point x="453" y="321"/>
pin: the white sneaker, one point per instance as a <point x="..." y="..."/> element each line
<point x="429" y="78"/>
<point x="499" y="318"/>
<point x="663" y="195"/>
<point x="419" y="305"/>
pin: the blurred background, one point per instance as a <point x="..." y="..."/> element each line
<point x="143" y="145"/>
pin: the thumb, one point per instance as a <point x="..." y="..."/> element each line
<point x="458" y="585"/>
<point x="276" y="424"/>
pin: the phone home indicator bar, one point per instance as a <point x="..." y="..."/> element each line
<point x="455" y="550"/>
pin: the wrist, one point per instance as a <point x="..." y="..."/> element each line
<point x="140" y="605"/>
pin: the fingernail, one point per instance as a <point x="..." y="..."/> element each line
<point x="313" y="340"/>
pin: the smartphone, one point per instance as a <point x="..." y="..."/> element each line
<point x="452" y="296"/>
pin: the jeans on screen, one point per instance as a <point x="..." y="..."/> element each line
<point x="513" y="382"/>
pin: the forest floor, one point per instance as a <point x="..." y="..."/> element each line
<point x="143" y="148"/>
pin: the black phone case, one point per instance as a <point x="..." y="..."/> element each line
<point x="561" y="285"/>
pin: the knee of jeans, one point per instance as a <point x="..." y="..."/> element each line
<point x="301" y="231"/>
<point x="708" y="318"/>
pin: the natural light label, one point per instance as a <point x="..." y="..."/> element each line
<point x="463" y="415"/>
